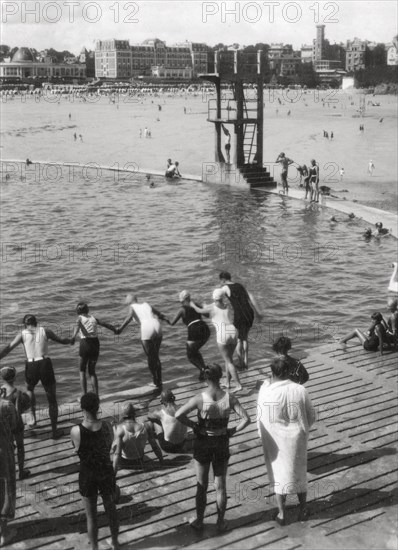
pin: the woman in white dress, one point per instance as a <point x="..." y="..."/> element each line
<point x="285" y="415"/>
<point x="151" y="334"/>
<point x="226" y="334"/>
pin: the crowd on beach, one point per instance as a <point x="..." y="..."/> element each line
<point x="104" y="448"/>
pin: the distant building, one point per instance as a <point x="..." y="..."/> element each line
<point x="355" y="55"/>
<point x="319" y="44"/>
<point x="24" y="65"/>
<point x="112" y="59"/>
<point x="392" y="52"/>
<point x="306" y="53"/>
<point x="117" y="59"/>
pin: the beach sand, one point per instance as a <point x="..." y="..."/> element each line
<point x="42" y="131"/>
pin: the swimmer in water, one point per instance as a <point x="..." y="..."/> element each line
<point x="368" y="234"/>
<point x="381" y="231"/>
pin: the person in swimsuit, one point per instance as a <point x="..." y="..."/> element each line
<point x="173" y="171"/>
<point x="38" y="367"/>
<point x="151" y="334"/>
<point x="130" y="439"/>
<point x="244" y="306"/>
<point x="171" y="433"/>
<point x="198" y="331"/>
<point x="296" y="371"/>
<point x="8" y="489"/>
<point x="376" y="336"/>
<point x="21" y="402"/>
<point x="92" y="440"/>
<point x="211" y="444"/>
<point x="227" y="134"/>
<point x="392" y="322"/>
<point x="225" y="332"/>
<point x="314" y="181"/>
<point x="87" y="329"/>
<point x="285" y="163"/>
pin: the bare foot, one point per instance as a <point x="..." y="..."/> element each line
<point x="6" y="538"/>
<point x="235" y="390"/>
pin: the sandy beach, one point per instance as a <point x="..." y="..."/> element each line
<point x="42" y="130"/>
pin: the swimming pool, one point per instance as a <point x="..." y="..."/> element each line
<point x="96" y="239"/>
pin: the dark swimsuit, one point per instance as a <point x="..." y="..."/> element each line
<point x="243" y="312"/>
<point x="197" y="328"/>
<point x="96" y="472"/>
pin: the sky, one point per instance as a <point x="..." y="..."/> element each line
<point x="72" y="24"/>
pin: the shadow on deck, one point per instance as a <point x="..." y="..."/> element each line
<point x="352" y="467"/>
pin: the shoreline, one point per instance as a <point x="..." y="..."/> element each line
<point x="367" y="213"/>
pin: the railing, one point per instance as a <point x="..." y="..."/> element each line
<point x="229" y="109"/>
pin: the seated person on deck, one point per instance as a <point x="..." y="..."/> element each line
<point x="173" y="171"/>
<point x="171" y="433"/>
<point x="131" y="437"/>
<point x="375" y="337"/>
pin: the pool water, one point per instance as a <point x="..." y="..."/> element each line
<point x="97" y="238"/>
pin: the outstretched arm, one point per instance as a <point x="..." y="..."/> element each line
<point x="109" y="326"/>
<point x="176" y="318"/>
<point x="52" y="336"/>
<point x="241" y="412"/>
<point x="125" y="322"/>
<point x="9" y="347"/>
<point x="160" y="315"/>
<point x="255" y="305"/>
<point x="204" y="309"/>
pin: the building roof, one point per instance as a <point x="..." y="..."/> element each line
<point x="22" y="55"/>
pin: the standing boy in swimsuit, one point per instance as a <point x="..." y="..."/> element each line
<point x="285" y="163"/>
<point x="38" y="365"/>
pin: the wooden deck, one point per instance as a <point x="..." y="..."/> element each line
<point x="352" y="467"/>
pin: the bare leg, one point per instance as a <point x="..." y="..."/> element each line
<point x="93" y="376"/>
<point x="111" y="512"/>
<point x="280" y="501"/>
<point x="52" y="406"/>
<point x="304" y="512"/>
<point x="202" y="477"/>
<point x="194" y="355"/>
<point x="90" y="506"/>
<point x="356" y="334"/>
<point x="32" y="396"/>
<point x="227" y="351"/>
<point x="82" y="372"/>
<point x="220" y="483"/>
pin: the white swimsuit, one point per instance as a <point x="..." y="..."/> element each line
<point x="222" y="322"/>
<point x="150" y="325"/>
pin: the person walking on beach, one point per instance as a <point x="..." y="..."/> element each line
<point x="75" y="136"/>
<point x="342" y="172"/>
<point x="314" y="181"/>
<point x="198" y="331"/>
<point x="371" y="168"/>
<point x="38" y="365"/>
<point x="171" y="432"/>
<point x="151" y="334"/>
<point x="285" y="163"/>
<point x="92" y="440"/>
<point x="87" y="330"/>
<point x="21" y="402"/>
<point x="284" y="418"/>
<point x="226" y="334"/>
<point x="244" y="306"/>
<point x="211" y="443"/>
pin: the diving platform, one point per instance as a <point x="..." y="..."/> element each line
<point x="237" y="113"/>
<point x="352" y="471"/>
